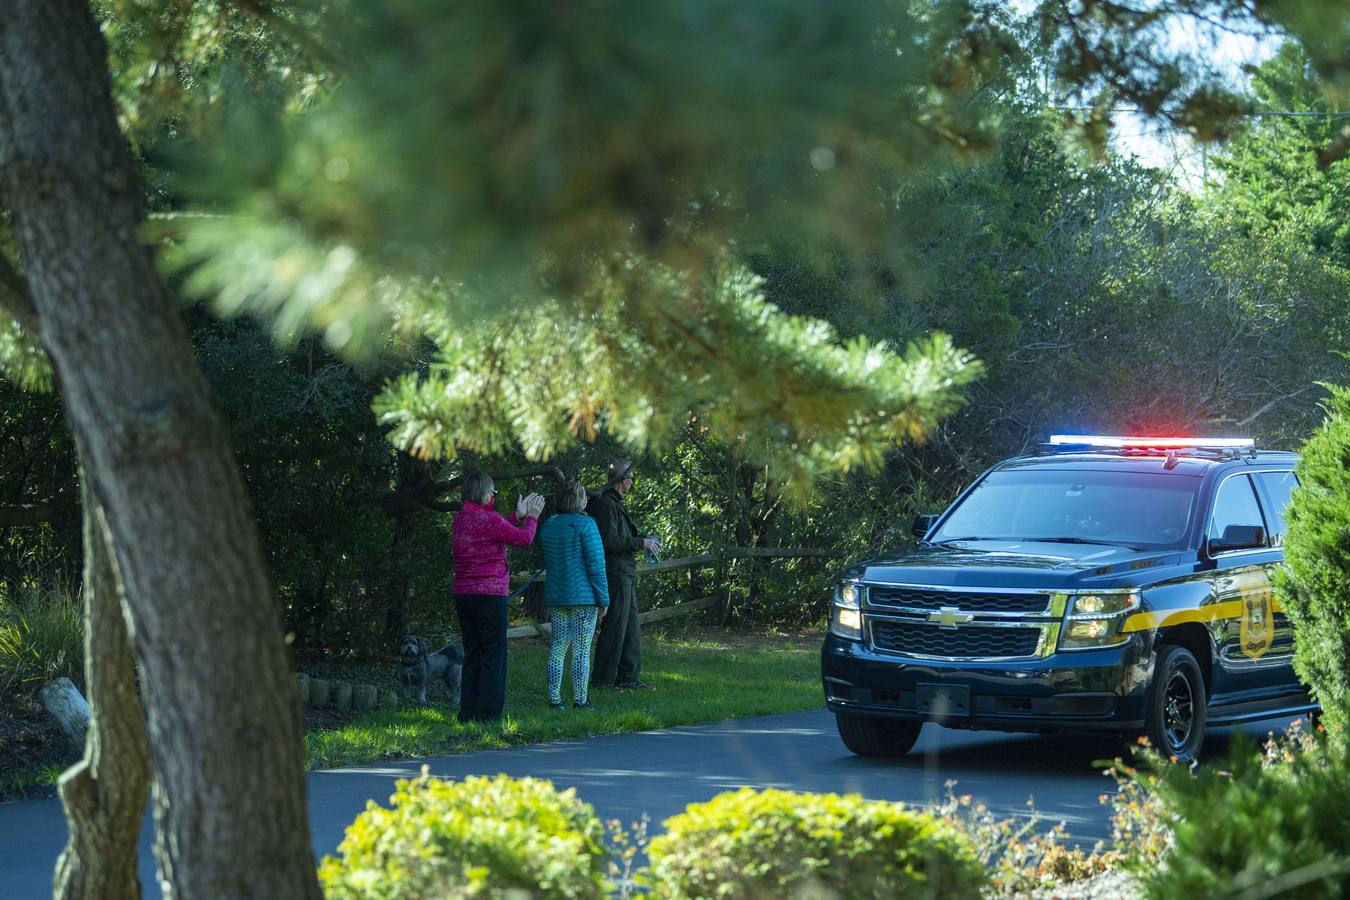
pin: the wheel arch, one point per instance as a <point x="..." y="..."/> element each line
<point x="1195" y="638"/>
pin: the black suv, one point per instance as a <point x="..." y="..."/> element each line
<point x="1100" y="584"/>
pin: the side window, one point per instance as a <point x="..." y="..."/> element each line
<point x="1277" y="488"/>
<point x="1234" y="505"/>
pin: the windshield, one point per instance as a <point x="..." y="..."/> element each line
<point x="1138" y="509"/>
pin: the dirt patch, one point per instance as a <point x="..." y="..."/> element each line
<point x="32" y="747"/>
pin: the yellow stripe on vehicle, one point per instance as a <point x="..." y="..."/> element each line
<point x="1147" y="621"/>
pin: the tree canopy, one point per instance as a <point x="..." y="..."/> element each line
<point x="764" y="244"/>
<point x="568" y="187"/>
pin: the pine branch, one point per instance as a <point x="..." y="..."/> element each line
<point x="263" y="10"/>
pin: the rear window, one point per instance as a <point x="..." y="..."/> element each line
<point x="1143" y="509"/>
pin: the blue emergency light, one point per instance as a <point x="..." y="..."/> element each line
<point x="1151" y="443"/>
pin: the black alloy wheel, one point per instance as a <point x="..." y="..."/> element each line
<point x="869" y="736"/>
<point x="1175" y="716"/>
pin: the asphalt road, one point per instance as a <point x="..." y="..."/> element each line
<point x="657" y="773"/>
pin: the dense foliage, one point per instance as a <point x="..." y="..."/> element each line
<point x="560" y="218"/>
<point x="1314" y="585"/>
<point x="1274" y="182"/>
<point x="347" y="559"/>
<point x="41" y="638"/>
<point x="1264" y="825"/>
<point x="750" y="844"/>
<point x="1095" y="295"/>
<point x="480" y="837"/>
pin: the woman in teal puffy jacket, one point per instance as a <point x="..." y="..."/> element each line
<point x="574" y="589"/>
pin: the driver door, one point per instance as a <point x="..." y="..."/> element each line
<point x="1254" y="648"/>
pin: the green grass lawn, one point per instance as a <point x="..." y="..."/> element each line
<point x="696" y="679"/>
<point x="698" y="676"/>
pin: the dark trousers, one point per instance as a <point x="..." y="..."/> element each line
<point x="482" y="623"/>
<point x="618" y="654"/>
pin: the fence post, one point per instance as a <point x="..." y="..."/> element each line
<point x="725" y="566"/>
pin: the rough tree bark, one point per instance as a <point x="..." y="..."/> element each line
<point x="104" y="793"/>
<point x="222" y="711"/>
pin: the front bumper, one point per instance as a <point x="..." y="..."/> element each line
<point x="1092" y="690"/>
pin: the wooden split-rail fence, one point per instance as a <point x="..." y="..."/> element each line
<point x="690" y="563"/>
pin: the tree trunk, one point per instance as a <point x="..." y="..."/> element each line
<point x="104" y="793"/>
<point x="221" y="705"/>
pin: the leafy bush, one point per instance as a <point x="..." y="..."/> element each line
<point x="480" y="837"/>
<point x="1019" y="857"/>
<point x="1314" y="586"/>
<point x="1257" y="826"/>
<point x="41" y="640"/>
<point x="761" y="844"/>
<point x="1141" y="833"/>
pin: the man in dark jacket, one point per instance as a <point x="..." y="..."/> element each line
<point x="618" y="654"/>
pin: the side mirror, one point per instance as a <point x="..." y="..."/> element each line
<point x="1238" y="537"/>
<point x="923" y="524"/>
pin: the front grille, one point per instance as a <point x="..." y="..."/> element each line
<point x="966" y="601"/>
<point x="975" y="641"/>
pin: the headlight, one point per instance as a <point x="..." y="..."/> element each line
<point x="846" y="611"/>
<point x="1094" y="618"/>
<point x="848" y="595"/>
<point x="1103" y="604"/>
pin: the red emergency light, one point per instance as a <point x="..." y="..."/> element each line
<point x="1150" y="443"/>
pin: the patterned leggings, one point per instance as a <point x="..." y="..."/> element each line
<point x="573" y="626"/>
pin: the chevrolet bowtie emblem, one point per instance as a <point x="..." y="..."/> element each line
<point x="949" y="617"/>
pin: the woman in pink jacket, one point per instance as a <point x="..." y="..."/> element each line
<point x="481" y="586"/>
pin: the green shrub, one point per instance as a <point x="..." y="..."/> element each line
<point x="480" y="837"/>
<point x="1315" y="587"/>
<point x="1254" y="826"/>
<point x="40" y="641"/>
<point x="1018" y="853"/>
<point x="762" y="844"/>
<point x="1141" y="831"/>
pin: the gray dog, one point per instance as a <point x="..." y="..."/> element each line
<point x="420" y="667"/>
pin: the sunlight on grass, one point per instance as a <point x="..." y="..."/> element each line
<point x="14" y="783"/>
<point x="695" y="681"/>
<point x="636" y="720"/>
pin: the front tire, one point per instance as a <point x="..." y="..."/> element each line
<point x="868" y="736"/>
<point x="1174" y="718"/>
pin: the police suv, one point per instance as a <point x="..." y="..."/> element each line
<point x="1099" y="584"/>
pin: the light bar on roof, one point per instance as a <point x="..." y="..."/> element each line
<point x="1158" y="443"/>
